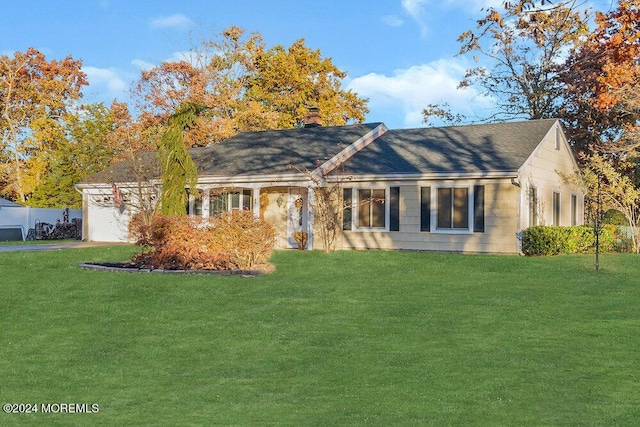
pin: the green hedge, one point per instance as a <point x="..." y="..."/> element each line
<point x="554" y="240"/>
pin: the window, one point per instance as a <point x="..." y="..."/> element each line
<point x="556" y="208"/>
<point x="347" y="199"/>
<point x="533" y="206"/>
<point x="195" y="200"/>
<point x="218" y="203"/>
<point x="558" y="138"/>
<point x="227" y="201"/>
<point x="574" y="209"/>
<point x="453" y="208"/>
<point x="371" y="208"/>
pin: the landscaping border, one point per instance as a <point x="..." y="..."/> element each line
<point x="129" y="268"/>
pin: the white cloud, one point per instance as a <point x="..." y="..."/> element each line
<point x="106" y="77"/>
<point x="408" y="91"/>
<point x="105" y="80"/>
<point x="177" y="21"/>
<point x="416" y="9"/>
<point x="142" y="64"/>
<point x="392" y="20"/>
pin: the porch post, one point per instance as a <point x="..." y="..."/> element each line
<point x="255" y="195"/>
<point x="205" y="202"/>
<point x="311" y="197"/>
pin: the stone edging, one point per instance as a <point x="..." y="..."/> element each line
<point x="114" y="266"/>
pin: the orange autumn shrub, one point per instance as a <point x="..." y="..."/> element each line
<point x="233" y="241"/>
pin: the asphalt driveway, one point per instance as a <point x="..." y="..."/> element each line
<point x="51" y="246"/>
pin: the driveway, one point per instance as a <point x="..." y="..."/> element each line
<point x="52" y="246"/>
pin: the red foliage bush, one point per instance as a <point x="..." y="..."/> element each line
<point x="233" y="241"/>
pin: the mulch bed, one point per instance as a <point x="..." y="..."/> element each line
<point x="133" y="268"/>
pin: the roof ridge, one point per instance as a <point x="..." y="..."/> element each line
<point x="479" y="124"/>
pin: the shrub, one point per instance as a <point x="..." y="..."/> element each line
<point x="235" y="240"/>
<point x="301" y="238"/>
<point x="545" y="240"/>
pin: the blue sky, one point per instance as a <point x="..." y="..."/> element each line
<point x="400" y="54"/>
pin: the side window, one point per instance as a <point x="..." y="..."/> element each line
<point x="556" y="208"/>
<point x="533" y="206"/>
<point x="347" y="200"/>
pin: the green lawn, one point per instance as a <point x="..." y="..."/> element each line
<point x="381" y="338"/>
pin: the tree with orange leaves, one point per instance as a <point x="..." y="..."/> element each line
<point x="246" y="87"/>
<point x="35" y="95"/>
<point x="602" y="79"/>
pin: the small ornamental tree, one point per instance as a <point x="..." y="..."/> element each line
<point x="616" y="190"/>
<point x="178" y="169"/>
<point x="327" y="205"/>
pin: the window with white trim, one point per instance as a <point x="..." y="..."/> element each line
<point x="456" y="209"/>
<point x="452" y="208"/>
<point x="533" y="206"/>
<point x="226" y="201"/>
<point x="556" y="208"/>
<point x="371" y="208"/>
<point x="574" y="209"/>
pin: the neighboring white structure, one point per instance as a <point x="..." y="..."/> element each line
<point x="460" y="188"/>
<point x="16" y="220"/>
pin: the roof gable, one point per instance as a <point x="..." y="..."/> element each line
<point x="274" y="152"/>
<point x="499" y="147"/>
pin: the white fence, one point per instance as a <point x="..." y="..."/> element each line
<point x="15" y="221"/>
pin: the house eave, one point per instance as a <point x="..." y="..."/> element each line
<point x="424" y="176"/>
<point x="267" y="179"/>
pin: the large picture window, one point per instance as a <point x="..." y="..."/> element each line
<point x="227" y="201"/>
<point x="371" y="208"/>
<point x="453" y="208"/>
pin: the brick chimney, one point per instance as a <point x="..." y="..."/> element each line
<point x="312" y="118"/>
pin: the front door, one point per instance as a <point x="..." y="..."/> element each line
<point x="297" y="214"/>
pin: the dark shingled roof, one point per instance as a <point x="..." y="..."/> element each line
<point x="496" y="147"/>
<point x="271" y="152"/>
<point x="502" y="147"/>
<point x="256" y="153"/>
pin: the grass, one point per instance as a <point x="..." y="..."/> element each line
<point x="381" y="338"/>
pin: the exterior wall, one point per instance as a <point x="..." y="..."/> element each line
<point x="500" y="235"/>
<point x="105" y="222"/>
<point x="543" y="171"/>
